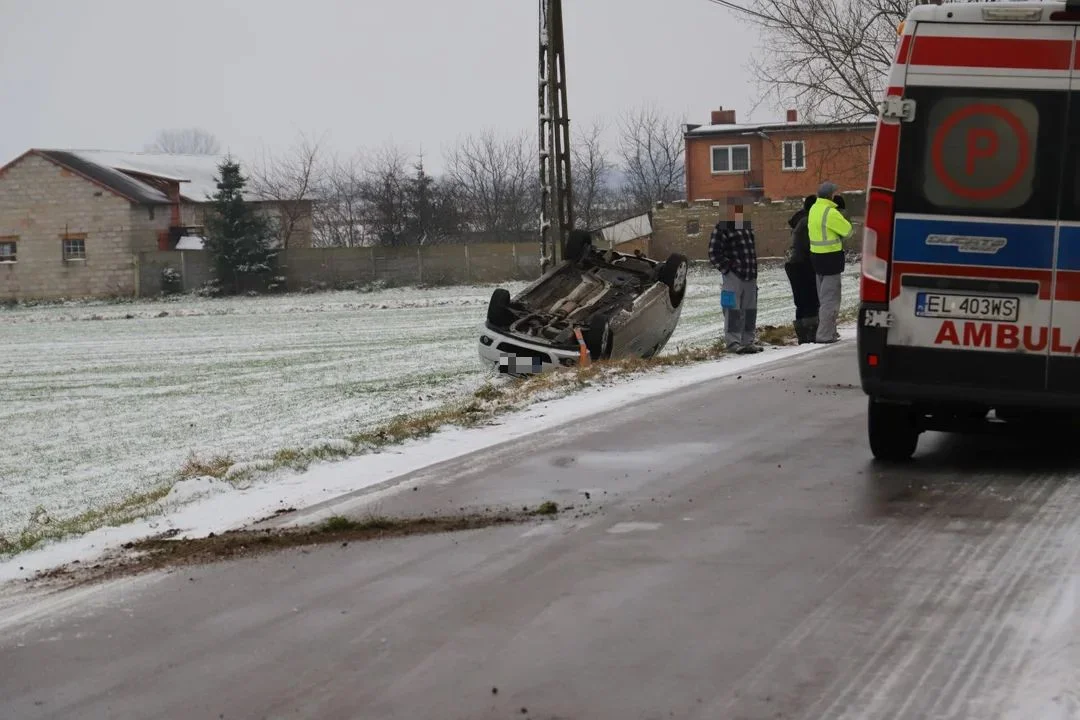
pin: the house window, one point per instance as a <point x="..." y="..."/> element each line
<point x="730" y="159"/>
<point x="794" y="155"/>
<point x="7" y="250"/>
<point x="74" y="247"/>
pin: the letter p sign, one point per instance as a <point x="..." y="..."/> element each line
<point x="982" y="143"/>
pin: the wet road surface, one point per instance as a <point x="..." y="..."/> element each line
<point x="741" y="557"/>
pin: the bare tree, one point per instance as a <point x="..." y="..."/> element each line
<point x="652" y="150"/>
<point x="386" y="196"/>
<point x="188" y="141"/>
<point x="591" y="170"/>
<point x="338" y="216"/>
<point x="828" y="58"/>
<point x="495" y="180"/>
<point x="289" y="182"/>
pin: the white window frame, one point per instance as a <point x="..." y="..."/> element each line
<point x="783" y="156"/>
<point x="14" y="256"/>
<point x="730" y="149"/>
<point x="71" y="256"/>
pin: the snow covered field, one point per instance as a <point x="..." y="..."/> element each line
<point x="101" y="401"/>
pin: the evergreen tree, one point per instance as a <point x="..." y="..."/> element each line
<point x="433" y="216"/>
<point x="237" y="237"/>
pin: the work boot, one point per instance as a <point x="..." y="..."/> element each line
<point x="800" y="331"/>
<point x="811" y="329"/>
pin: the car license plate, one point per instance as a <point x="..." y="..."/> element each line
<point x="967" y="307"/>
<point x="511" y="364"/>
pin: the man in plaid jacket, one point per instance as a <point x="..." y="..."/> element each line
<point x="733" y="252"/>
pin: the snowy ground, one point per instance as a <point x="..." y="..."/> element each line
<point x="105" y="400"/>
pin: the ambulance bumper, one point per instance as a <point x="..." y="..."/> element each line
<point x="955" y="379"/>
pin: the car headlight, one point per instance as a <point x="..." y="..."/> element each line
<point x="485" y="340"/>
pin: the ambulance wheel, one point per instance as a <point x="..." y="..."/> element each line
<point x="893" y="432"/>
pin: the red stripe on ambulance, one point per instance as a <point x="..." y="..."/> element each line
<point x="986" y="52"/>
<point x="1001" y="336"/>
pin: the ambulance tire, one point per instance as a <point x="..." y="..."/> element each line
<point x="894" y="434"/>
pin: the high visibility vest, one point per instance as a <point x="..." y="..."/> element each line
<point x="827" y="227"/>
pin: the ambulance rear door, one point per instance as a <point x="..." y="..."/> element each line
<point x="976" y="223"/>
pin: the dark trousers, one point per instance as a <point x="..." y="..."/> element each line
<point x="803" y="289"/>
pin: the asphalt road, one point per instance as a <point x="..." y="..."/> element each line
<point x="744" y="559"/>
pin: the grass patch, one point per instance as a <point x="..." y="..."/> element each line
<point x="547" y="508"/>
<point x="215" y="467"/>
<point x="488" y="393"/>
<point x="289" y="457"/>
<point x="777" y="335"/>
<point x="44" y="528"/>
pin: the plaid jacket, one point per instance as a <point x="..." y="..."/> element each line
<point x="733" y="249"/>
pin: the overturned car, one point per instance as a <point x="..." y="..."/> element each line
<point x="612" y="304"/>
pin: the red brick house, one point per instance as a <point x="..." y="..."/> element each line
<point x="774" y="160"/>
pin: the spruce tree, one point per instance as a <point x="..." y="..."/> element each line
<point x="237" y="237"/>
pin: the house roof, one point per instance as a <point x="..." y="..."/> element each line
<point x="125" y="173"/>
<point x="753" y="128"/>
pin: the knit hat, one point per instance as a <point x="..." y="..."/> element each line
<point x="827" y="189"/>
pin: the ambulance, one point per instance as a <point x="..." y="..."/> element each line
<point x="969" y="312"/>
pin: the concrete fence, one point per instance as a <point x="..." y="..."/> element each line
<point x="322" y="268"/>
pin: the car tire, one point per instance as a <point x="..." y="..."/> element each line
<point x="499" y="313"/>
<point x="893" y="432"/>
<point x="674" y="273"/>
<point x="578" y="244"/>
<point x="598" y="338"/>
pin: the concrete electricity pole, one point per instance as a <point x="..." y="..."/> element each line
<point x="556" y="196"/>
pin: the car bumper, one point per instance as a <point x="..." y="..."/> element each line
<point x="516" y="356"/>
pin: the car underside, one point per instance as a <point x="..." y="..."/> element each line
<point x="600" y="298"/>
<point x="575" y="295"/>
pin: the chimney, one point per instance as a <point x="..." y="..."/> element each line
<point x="723" y="117"/>
<point x="793" y="116"/>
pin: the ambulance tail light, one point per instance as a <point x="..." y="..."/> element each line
<point x="877" y="247"/>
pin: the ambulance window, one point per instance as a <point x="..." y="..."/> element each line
<point x="979" y="152"/>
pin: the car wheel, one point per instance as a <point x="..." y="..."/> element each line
<point x="578" y="243"/>
<point x="673" y="274"/>
<point x="894" y="434"/>
<point x="598" y="338"/>
<point x="499" y="313"/>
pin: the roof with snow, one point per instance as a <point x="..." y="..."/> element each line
<point x="753" y="128"/>
<point x="133" y="175"/>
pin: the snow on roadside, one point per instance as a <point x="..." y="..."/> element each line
<point x="202" y="506"/>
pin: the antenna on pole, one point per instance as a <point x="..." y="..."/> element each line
<point x="556" y="196"/>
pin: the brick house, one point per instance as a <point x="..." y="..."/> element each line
<point x="774" y="160"/>
<point x="73" y="222"/>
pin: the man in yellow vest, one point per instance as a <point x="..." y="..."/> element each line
<point x="828" y="229"/>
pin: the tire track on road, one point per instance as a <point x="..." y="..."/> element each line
<point x="845" y="693"/>
<point x="906" y="544"/>
<point x="1011" y="554"/>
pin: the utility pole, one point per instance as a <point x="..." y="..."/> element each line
<point x="556" y="196"/>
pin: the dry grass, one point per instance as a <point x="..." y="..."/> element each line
<point x="215" y="467"/>
<point x="777" y="335"/>
<point x="44" y="528"/>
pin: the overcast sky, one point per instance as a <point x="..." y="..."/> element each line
<point x="109" y="74"/>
